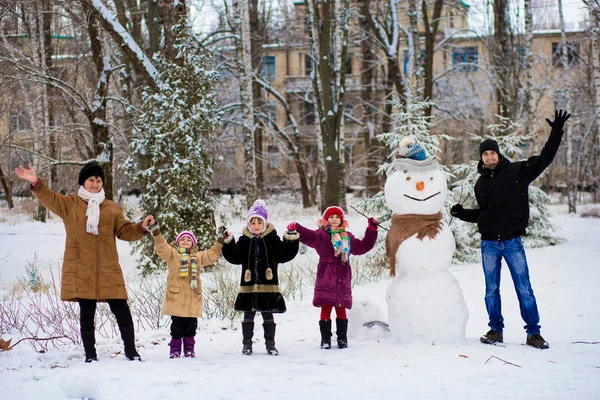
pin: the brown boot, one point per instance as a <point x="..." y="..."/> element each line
<point x="537" y="341"/>
<point x="492" y="337"/>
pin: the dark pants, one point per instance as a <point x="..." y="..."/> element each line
<point x="119" y="308"/>
<point x="182" y="327"/>
<point x="267" y="317"/>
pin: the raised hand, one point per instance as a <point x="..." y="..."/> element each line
<point x="560" y="117"/>
<point x="147" y="222"/>
<point x="373" y="223"/>
<point x="223" y="235"/>
<point x="292" y="226"/>
<point x="27" y="174"/>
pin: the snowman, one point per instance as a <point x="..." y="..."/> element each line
<point x="425" y="302"/>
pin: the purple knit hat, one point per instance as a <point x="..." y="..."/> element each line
<point x="188" y="234"/>
<point x="258" y="210"/>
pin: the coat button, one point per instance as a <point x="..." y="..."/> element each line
<point x="339" y="280"/>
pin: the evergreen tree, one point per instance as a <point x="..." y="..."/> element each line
<point x="170" y="156"/>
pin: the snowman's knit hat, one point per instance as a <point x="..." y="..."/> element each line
<point x="411" y="157"/>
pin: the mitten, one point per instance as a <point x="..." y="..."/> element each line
<point x="456" y="210"/>
<point x="373" y="224"/>
<point x="223" y="235"/>
<point x="292" y="226"/>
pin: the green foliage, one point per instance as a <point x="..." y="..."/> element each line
<point x="170" y="157"/>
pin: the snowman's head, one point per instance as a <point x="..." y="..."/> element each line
<point x="416" y="187"/>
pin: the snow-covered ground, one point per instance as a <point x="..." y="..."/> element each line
<point x="565" y="279"/>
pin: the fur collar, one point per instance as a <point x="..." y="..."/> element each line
<point x="246" y="232"/>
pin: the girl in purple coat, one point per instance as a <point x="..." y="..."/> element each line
<point x="333" y="286"/>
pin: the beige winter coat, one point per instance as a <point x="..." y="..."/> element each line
<point x="91" y="267"/>
<point x="181" y="300"/>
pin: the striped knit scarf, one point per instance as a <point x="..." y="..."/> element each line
<point x="185" y="258"/>
<point x="341" y="243"/>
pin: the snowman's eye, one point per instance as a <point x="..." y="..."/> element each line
<point x="431" y="178"/>
<point x="408" y="178"/>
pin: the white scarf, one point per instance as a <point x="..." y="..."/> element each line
<point x="93" y="209"/>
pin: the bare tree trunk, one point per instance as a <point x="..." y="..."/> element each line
<point x="500" y="54"/>
<point x="431" y="31"/>
<point x="50" y="92"/>
<point x="125" y="42"/>
<point x="417" y="74"/>
<point x="153" y="24"/>
<point x="328" y="30"/>
<point x="7" y="189"/>
<point x="256" y="42"/>
<point x="529" y="97"/>
<point x="244" y="49"/>
<point x="367" y="80"/>
<point x="594" y="15"/>
<point x="571" y="179"/>
<point x="102" y="145"/>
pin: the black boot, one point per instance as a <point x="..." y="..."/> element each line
<point x="325" y="327"/>
<point x="247" y="333"/>
<point x="270" y="339"/>
<point x="89" y="345"/>
<point x="342" y="332"/>
<point x="128" y="336"/>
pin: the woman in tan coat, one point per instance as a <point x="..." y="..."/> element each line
<point x="91" y="270"/>
<point x="183" y="300"/>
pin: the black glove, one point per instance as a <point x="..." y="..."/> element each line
<point x="560" y="117"/>
<point x="456" y="210"/>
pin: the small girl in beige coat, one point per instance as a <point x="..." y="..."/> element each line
<point x="183" y="300"/>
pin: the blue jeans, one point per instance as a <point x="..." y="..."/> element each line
<point x="512" y="250"/>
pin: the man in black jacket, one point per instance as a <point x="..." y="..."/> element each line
<point x="503" y="214"/>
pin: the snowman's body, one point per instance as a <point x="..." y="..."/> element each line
<point x="425" y="302"/>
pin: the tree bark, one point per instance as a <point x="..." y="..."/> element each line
<point x="431" y="31"/>
<point x="243" y="17"/>
<point x="571" y="179"/>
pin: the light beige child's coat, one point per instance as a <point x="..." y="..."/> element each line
<point x="181" y="300"/>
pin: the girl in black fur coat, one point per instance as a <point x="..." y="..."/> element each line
<point x="259" y="250"/>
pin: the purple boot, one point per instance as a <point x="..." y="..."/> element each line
<point x="188" y="347"/>
<point x="175" y="348"/>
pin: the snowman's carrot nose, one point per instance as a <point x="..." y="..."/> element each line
<point x="420" y="185"/>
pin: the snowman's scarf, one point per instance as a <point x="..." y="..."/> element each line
<point x="406" y="225"/>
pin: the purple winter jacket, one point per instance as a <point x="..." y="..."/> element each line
<point x="333" y="285"/>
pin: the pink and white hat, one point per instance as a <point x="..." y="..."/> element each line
<point x="188" y="234"/>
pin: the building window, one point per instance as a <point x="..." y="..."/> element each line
<point x="572" y="54"/>
<point x="309" y="113"/>
<point x="19" y="121"/>
<point x="349" y="113"/>
<point x="273" y="156"/>
<point x="465" y="58"/>
<point x="268" y="68"/>
<point x="308" y="64"/>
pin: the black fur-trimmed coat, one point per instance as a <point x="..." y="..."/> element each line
<point x="260" y="257"/>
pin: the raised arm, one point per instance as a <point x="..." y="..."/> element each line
<point x="534" y="166"/>
<point x="57" y="203"/>
<point x="359" y="247"/>
<point x="307" y="236"/>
